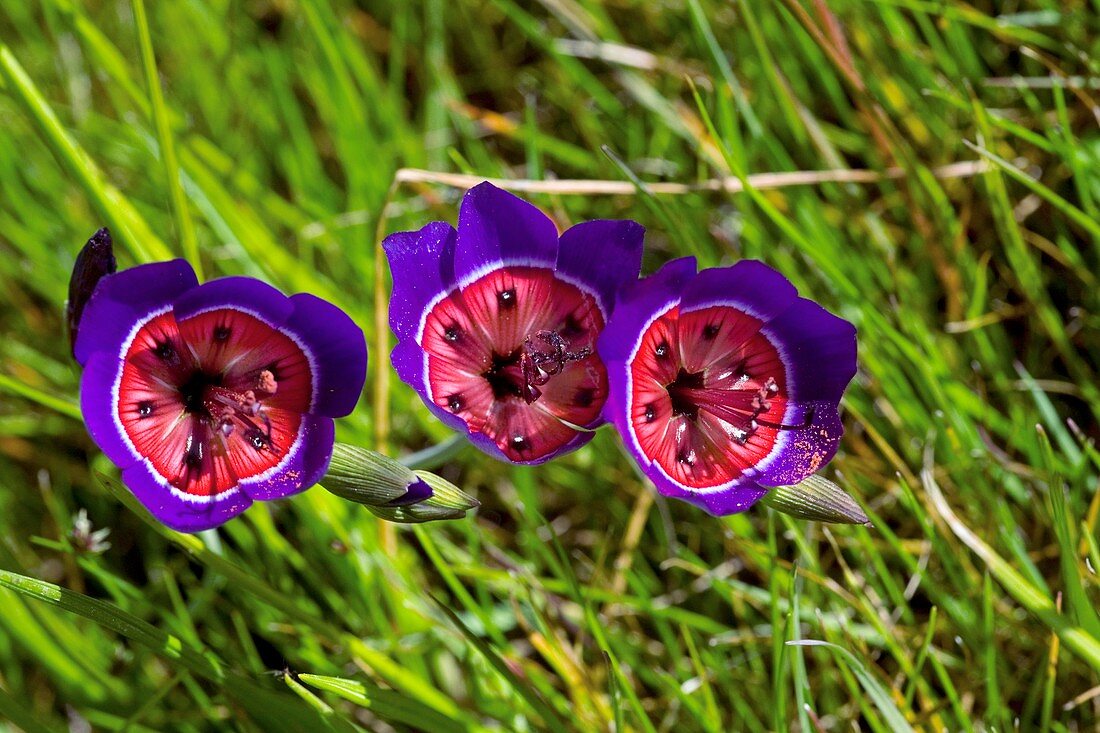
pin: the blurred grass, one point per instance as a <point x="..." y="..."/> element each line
<point x="268" y="132"/>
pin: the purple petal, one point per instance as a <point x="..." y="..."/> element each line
<point x="732" y="500"/>
<point x="416" y="264"/>
<point x="604" y="254"/>
<point x="800" y="453"/>
<point x="241" y="293"/>
<point x="637" y="305"/>
<point x="416" y="492"/>
<point x="582" y="439"/>
<point x="408" y="361"/>
<point x="123" y="299"/>
<point x="818" y="349"/>
<point x="338" y="353"/>
<point x="191" y="514"/>
<point x="98" y="404"/>
<point x="495" y="226"/>
<point x="749" y="286"/>
<point x="306" y="462"/>
<point x="481" y="441"/>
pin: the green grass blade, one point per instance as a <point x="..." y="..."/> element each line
<point x="119" y="215"/>
<point x="165" y="140"/>
<point x="386" y="704"/>
<point x="874" y="689"/>
<point x="549" y="716"/>
<point x="115" y="619"/>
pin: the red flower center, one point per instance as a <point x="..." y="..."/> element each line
<point x="708" y="395"/>
<point x="214" y="399"/>
<point x="512" y="354"/>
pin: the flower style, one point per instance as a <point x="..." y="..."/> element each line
<point x="497" y="322"/>
<point x="212" y="396"/>
<point x="725" y="382"/>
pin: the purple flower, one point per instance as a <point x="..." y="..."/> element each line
<point x="497" y="322"/>
<point x="212" y="396"/>
<point x="725" y="382"/>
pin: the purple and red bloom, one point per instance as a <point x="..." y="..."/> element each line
<point x="212" y="396"/>
<point x="724" y="382"/>
<point x="497" y="322"/>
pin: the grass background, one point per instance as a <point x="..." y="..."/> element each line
<point x="263" y="138"/>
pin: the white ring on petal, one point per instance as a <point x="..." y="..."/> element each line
<point x="196" y="499"/>
<point x="116" y="419"/>
<point x="750" y="472"/>
<point x="628" y="364"/>
<point x="281" y="465"/>
<point x="199" y="499"/>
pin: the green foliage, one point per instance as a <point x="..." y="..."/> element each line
<point x="264" y="137"/>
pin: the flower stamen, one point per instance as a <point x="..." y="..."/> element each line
<point x="741" y="407"/>
<point x="227" y="410"/>
<point x="540" y="362"/>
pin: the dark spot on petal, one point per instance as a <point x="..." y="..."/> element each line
<point x="506" y="299"/>
<point x="257" y="439"/>
<point x="195" y="449"/>
<point x="455" y="403"/>
<point x="650" y="412"/>
<point x="662" y="350"/>
<point x="221" y="333"/>
<point x="584" y="397"/>
<point x="452" y="333"/>
<point x="686" y="456"/>
<point x="710" y="331"/>
<point x="520" y="443"/>
<point x="572" y="328"/>
<point x="165" y="351"/>
<point x="145" y="409"/>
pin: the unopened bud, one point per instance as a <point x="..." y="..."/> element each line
<point x="818" y="499"/>
<point x="391" y="490"/>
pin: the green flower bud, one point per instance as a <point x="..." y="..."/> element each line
<point x="818" y="499"/>
<point x="391" y="490"/>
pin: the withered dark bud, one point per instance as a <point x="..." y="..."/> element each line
<point x="95" y="261"/>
